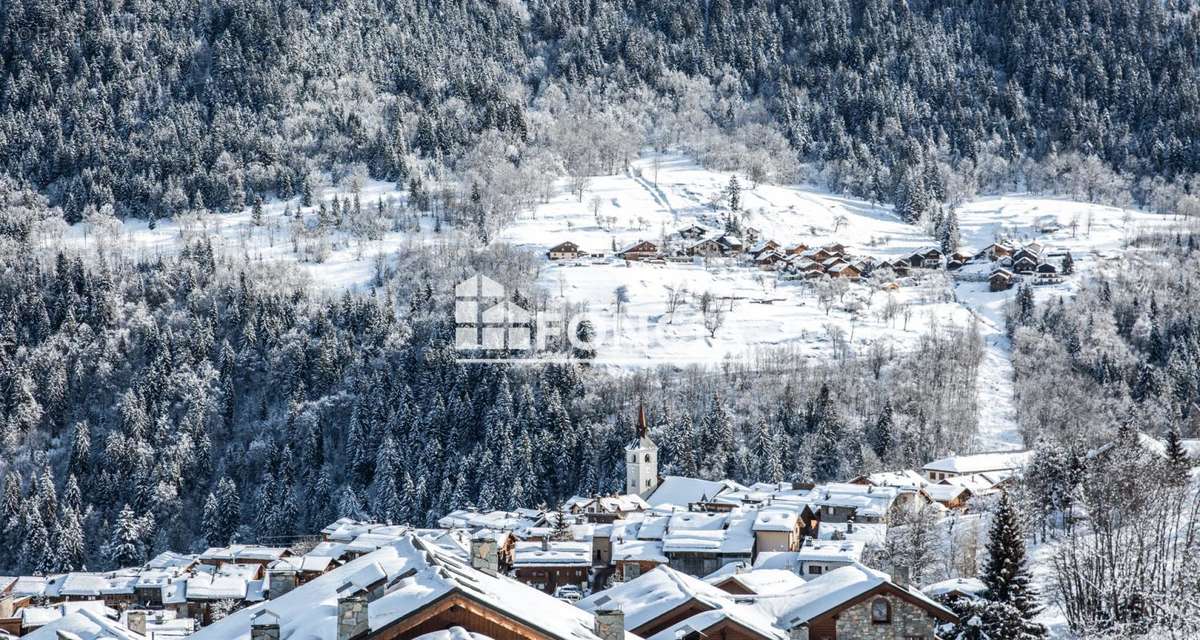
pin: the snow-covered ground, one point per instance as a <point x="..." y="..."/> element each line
<point x="659" y="195"/>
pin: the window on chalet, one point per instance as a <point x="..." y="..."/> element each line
<point x="815" y="570"/>
<point x="647" y="457"/>
<point x="881" y="611"/>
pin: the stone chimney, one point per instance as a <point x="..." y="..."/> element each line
<point x="485" y="554"/>
<point x="281" y="581"/>
<point x="264" y="626"/>
<point x="352" y="616"/>
<point x="136" y="621"/>
<point x="610" y="624"/>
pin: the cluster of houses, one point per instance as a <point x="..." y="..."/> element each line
<point x="1031" y="262"/>
<point x="1011" y="263"/>
<point x="671" y="557"/>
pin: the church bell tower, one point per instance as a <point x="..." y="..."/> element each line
<point x="641" y="460"/>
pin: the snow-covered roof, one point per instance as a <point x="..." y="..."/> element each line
<point x="639" y="550"/>
<point x="307" y="563"/>
<point x="869" y="533"/>
<point x="757" y="581"/>
<point x="558" y="553"/>
<point x="417" y="574"/>
<point x="170" y="560"/>
<point x="607" y="504"/>
<point x="242" y="553"/>
<point x="29" y="586"/>
<point x="830" y="590"/>
<point x="965" y="586"/>
<point x="681" y="491"/>
<point x="831" y="551"/>
<point x="743" y="615"/>
<point x="981" y="462"/>
<point x="776" y="519"/>
<point x="907" y="478"/>
<point x="82" y="584"/>
<point x="205" y="586"/>
<point x="652" y="594"/>
<point x="83" y="624"/>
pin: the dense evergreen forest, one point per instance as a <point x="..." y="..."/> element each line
<point x="198" y="399"/>
<point x="159" y="107"/>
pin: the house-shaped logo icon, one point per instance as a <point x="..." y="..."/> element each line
<point x="484" y="319"/>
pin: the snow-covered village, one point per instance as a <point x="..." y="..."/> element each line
<point x="605" y="320"/>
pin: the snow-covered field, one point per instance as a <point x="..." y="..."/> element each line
<point x="659" y="195"/>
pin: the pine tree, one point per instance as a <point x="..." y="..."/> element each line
<point x="125" y="547"/>
<point x="81" y="448"/>
<point x="733" y="193"/>
<point x="36" y="551"/>
<point x="211" y="522"/>
<point x="1005" y="574"/>
<point x="256" y="211"/>
<point x="879" y="433"/>
<point x="1068" y="264"/>
<point x="716" y="440"/>
<point x="1178" y="466"/>
<point x="229" y="511"/>
<point x="765" y="446"/>
<point x="948" y="233"/>
<point x="562" y="525"/>
<point x="70" y="542"/>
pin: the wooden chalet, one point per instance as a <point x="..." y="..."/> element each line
<point x="640" y="250"/>
<point x="769" y="259"/>
<point x="564" y="251"/>
<point x="1024" y="265"/>
<point x="694" y="232"/>
<point x="795" y="249"/>
<point x="836" y="249"/>
<point x="1047" y="273"/>
<point x="928" y="258"/>
<point x="706" y="248"/>
<point x="996" y="250"/>
<point x="844" y="270"/>
<point x="548" y="565"/>
<point x="732" y="244"/>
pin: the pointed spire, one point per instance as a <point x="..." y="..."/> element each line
<point x="642" y="429"/>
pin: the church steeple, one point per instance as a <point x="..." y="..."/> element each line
<point x="641" y="459"/>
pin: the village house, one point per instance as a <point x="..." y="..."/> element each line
<point x="844" y="270"/>
<point x="707" y="248"/>
<point x="770" y="259"/>
<point x="656" y="600"/>
<point x="795" y="249"/>
<point x="999" y="462"/>
<point x="731" y="243"/>
<point x="606" y="508"/>
<point x="700" y="543"/>
<point x="564" y="251"/>
<point x="1001" y="279"/>
<point x="640" y="250"/>
<point x="762" y="245"/>
<point x="777" y="529"/>
<point x="694" y="232"/>
<point x="548" y="565"/>
<point x="853" y="603"/>
<point x="405" y="590"/>
<point x="996" y="250"/>
<point x="926" y="258"/>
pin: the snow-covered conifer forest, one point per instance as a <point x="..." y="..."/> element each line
<point x="879" y="234"/>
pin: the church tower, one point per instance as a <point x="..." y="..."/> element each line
<point x="641" y="460"/>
